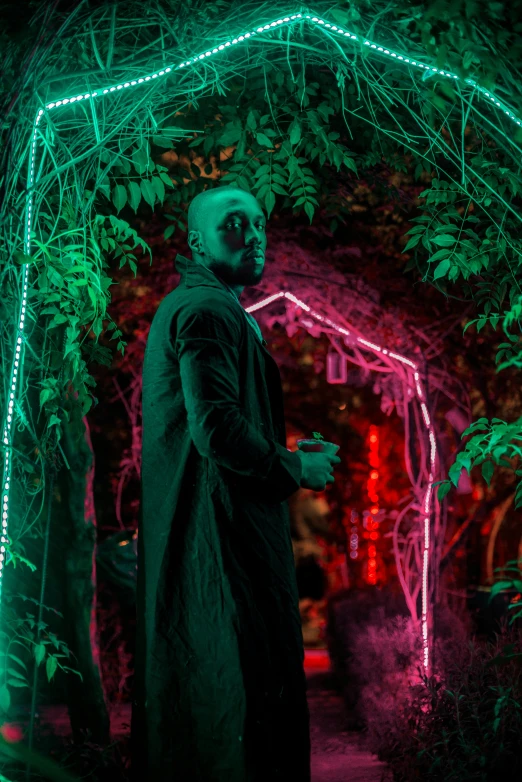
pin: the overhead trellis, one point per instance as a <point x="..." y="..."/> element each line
<point x="86" y="139"/>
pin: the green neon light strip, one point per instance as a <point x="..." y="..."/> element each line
<point x="287" y="20"/>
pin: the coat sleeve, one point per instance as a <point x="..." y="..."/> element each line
<point x="206" y="341"/>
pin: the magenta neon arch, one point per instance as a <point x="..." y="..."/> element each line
<point x="421" y="397"/>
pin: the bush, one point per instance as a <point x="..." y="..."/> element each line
<point x="471" y="726"/>
<point x="350" y="615"/>
<point x="462" y="724"/>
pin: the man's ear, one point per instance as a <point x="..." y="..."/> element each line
<point x="194" y="241"/>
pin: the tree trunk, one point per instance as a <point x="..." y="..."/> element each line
<point x="74" y="537"/>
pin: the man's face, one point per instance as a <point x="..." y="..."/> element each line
<point x="233" y="239"/>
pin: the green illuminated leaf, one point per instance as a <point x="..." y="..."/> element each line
<point x="18" y="660"/>
<point x="23" y="258"/>
<point x="444" y="240"/>
<point x="441" y="269"/>
<point x="439" y="255"/>
<point x="159" y="188"/>
<point x="50" y="667"/>
<point x="140" y="159"/>
<point x="263" y="139"/>
<point x="499" y="586"/>
<point x="148" y="192"/>
<point x="119" y="197"/>
<point x="163" y="142"/>
<point x="443" y="490"/>
<point x="166" y="179"/>
<point x="309" y="209"/>
<point x="295" y="132"/>
<point x="134" y="195"/>
<point x="412" y="243"/>
<point x="488" y="468"/>
<point x="39" y="653"/>
<point x="229" y="137"/>
<point x="270" y="200"/>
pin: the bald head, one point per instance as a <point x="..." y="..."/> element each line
<point x="206" y="202"/>
<point x="224" y="225"/>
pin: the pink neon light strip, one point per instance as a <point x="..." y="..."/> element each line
<point x="433" y="450"/>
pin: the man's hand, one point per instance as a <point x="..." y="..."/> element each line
<point x="317" y="469"/>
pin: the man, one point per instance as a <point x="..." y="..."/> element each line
<point x="220" y="691"/>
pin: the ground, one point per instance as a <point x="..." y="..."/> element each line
<point x="338" y="755"/>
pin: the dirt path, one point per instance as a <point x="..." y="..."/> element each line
<point x="338" y="755"/>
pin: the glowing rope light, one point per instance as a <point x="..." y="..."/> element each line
<point x="425" y="414"/>
<point x="287" y="20"/>
<point x="371" y="487"/>
<point x="369" y="344"/>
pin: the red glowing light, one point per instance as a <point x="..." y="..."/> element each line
<point x="374" y="535"/>
<point x="374" y="475"/>
<point x="371" y="551"/>
<point x="373" y="438"/>
<point x="374" y="511"/>
<point x="11" y="732"/>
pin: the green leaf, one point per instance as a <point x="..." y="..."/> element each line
<point x="262" y="170"/>
<point x="166" y="179"/>
<point x="270" y="200"/>
<point x="263" y="139"/>
<point x="441" y="269"/>
<point x="444" y="240"/>
<point x="134" y="195"/>
<point x="229" y="137"/>
<point x="309" y="209"/>
<point x="163" y="142"/>
<point x="39" y="653"/>
<point x="488" y="468"/>
<point x="443" y="490"/>
<point x="140" y="159"/>
<point x="499" y="586"/>
<point x="412" y="243"/>
<point x="169" y="230"/>
<point x="23" y="258"/>
<point x="349" y="163"/>
<point x="18" y="660"/>
<point x="51" y="666"/>
<point x="159" y="188"/>
<point x="16" y="673"/>
<point x="295" y="132"/>
<point x="17" y="683"/>
<point x="438" y="255"/>
<point x="148" y="192"/>
<point x="454" y="473"/>
<point x="119" y="197"/>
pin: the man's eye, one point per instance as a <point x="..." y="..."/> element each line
<point x="234" y="224"/>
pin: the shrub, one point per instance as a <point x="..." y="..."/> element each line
<point x="463" y="724"/>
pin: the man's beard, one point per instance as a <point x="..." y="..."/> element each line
<point x="244" y="276"/>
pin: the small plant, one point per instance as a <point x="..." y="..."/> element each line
<point x="513" y="566"/>
<point x="317" y="436"/>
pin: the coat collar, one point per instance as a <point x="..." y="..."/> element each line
<point x="193" y="273"/>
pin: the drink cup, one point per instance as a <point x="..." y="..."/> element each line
<point x="318" y="446"/>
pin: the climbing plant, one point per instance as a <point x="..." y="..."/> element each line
<point x="108" y="99"/>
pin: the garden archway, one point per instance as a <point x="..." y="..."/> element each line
<point x="69" y="140"/>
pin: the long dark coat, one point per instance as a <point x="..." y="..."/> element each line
<point x="220" y="690"/>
